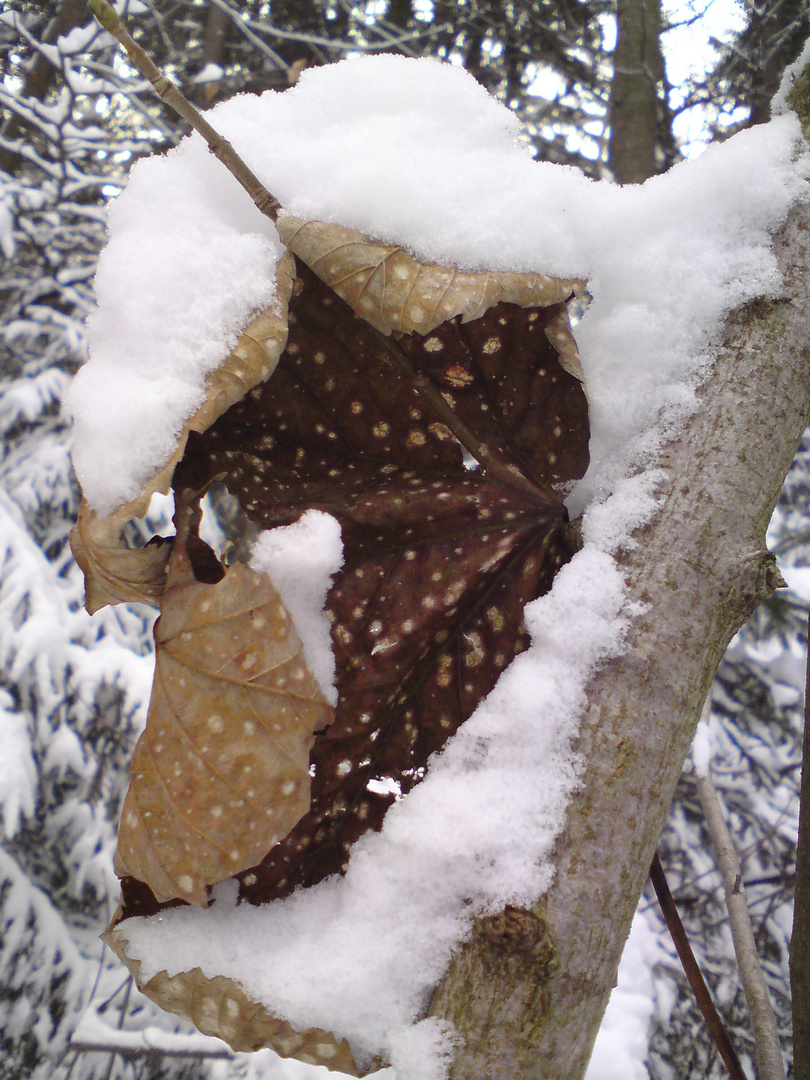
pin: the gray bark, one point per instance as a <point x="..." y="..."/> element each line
<point x="528" y="991"/>
<point x="635" y="103"/>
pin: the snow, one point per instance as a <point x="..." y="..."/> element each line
<point x="696" y="237"/>
<point x="210" y="73"/>
<point x="94" y="1029"/>
<point x="779" y="104"/>
<point x="166" y="317"/>
<point x="301" y="560"/>
<point x="18" y="771"/>
<point x="360" y="954"/>
<point x="798" y="579"/>
<point x="702" y="749"/>
<point x="7" y="244"/>
<point x="620" y="1049"/>
<point x="415" y="152"/>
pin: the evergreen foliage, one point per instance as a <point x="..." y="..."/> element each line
<point x="73" y="688"/>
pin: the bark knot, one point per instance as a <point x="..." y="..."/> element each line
<point x="514" y="930"/>
<point x="768" y="576"/>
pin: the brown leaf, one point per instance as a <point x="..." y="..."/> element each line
<point x="439" y="559"/>
<point x="115" y="573"/>
<point x="220" y="774"/>
<point x="220" y="1007"/>
<point x="394" y="291"/>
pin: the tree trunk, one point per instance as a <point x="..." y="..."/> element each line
<point x="635" y="105"/>
<point x="217" y="27"/>
<point x="527" y="992"/>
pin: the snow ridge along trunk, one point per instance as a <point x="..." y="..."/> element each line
<point x="527" y="992"/>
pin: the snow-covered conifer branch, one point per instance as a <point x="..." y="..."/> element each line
<point x="800" y="939"/>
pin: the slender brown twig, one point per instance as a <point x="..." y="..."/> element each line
<point x="166" y="90"/>
<point x="701" y="991"/>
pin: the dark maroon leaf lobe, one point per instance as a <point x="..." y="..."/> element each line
<point x="420" y="635"/>
<point x="439" y="559"/>
<point x="503" y="379"/>
<point x="338" y="416"/>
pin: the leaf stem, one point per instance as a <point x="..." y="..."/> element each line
<point x="171" y="94"/>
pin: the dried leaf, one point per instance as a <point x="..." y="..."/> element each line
<point x="220" y="773"/>
<point x="439" y="559"/>
<point x="113" y="572"/>
<point x="220" y="1007"/>
<point x="394" y="291"/>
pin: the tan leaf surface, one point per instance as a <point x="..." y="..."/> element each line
<point x="116" y="574"/>
<point x="219" y="1006"/>
<point x="394" y="291"/>
<point x="558" y="332"/>
<point x="221" y="772"/>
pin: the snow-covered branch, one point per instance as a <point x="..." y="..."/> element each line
<point x="696" y="573"/>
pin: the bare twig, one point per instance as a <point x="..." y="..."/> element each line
<point x="82" y="1046"/>
<point x="383" y="40"/>
<point x="122" y="1012"/>
<point x="166" y="90"/>
<point x="770" y="1063"/>
<point x="714" y="1022"/>
<point x="800" y="939"/>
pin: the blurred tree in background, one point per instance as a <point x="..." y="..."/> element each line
<point x="75" y="117"/>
